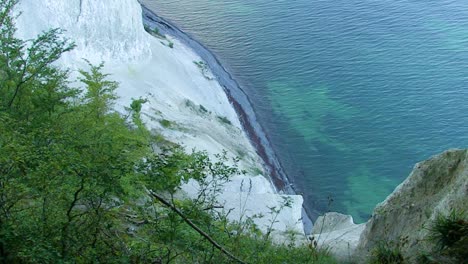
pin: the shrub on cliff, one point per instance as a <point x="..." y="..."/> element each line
<point x="449" y="234"/>
<point x="386" y="253"/>
<point x="448" y="237"/>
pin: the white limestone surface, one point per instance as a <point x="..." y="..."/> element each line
<point x="338" y="234"/>
<point x="112" y="31"/>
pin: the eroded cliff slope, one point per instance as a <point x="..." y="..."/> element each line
<point x="435" y="186"/>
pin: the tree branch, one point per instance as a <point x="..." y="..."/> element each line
<point x="195" y="227"/>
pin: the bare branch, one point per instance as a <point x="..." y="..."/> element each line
<point x="195" y="227"/>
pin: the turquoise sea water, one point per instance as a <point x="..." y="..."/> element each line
<point x="351" y="93"/>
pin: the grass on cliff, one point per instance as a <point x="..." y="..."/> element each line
<point x="448" y="240"/>
<point x="386" y="253"/>
<point x="449" y="235"/>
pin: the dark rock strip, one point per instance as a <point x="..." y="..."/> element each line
<point x="239" y="101"/>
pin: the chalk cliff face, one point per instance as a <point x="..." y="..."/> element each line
<point x="435" y="186"/>
<point x="178" y="91"/>
<point x="110" y="30"/>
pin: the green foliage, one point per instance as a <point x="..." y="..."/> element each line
<point x="154" y="31"/>
<point x="386" y="253"/>
<point x="203" y="109"/>
<point x="447" y="241"/>
<point x="256" y="171"/>
<point x="200" y="64"/>
<point x="200" y="109"/>
<point x="449" y="233"/>
<point x="134" y="111"/>
<point x="26" y="69"/>
<point x="447" y="230"/>
<point x="224" y="120"/>
<point x="166" y="123"/>
<point x="100" y="92"/>
<point x="137" y="104"/>
<point x="74" y="174"/>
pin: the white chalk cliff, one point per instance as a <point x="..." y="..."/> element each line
<point x="112" y="31"/>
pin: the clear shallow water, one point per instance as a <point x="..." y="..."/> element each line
<point x="351" y="93"/>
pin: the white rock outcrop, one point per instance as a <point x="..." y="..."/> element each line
<point x="337" y="233"/>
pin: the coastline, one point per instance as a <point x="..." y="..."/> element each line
<point x="236" y="96"/>
<point x="240" y="102"/>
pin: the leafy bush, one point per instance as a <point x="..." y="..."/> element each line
<point x="447" y="231"/>
<point x="154" y="31"/>
<point x="165" y="123"/>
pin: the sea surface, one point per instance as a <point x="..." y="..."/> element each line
<point x="351" y="93"/>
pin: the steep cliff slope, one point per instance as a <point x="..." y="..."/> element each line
<point x="183" y="104"/>
<point x="435" y="186"/>
<point x="403" y="221"/>
<point x="103" y="30"/>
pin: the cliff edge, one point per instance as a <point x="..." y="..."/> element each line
<point x="435" y="186"/>
<point x="404" y="220"/>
